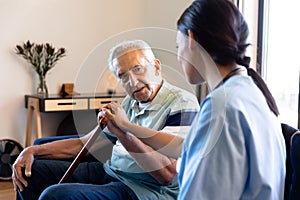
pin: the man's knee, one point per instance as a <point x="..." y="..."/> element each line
<point x="53" y="192"/>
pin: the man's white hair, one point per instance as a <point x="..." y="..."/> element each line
<point x="125" y="47"/>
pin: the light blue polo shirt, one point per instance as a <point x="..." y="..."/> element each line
<point x="172" y="106"/>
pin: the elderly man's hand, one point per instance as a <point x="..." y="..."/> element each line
<point x="24" y="160"/>
<point x="116" y="115"/>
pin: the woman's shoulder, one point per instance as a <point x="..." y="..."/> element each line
<point x="238" y="94"/>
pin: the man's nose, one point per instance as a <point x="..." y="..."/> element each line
<point x="132" y="79"/>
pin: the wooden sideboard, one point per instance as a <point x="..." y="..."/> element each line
<point x="55" y="103"/>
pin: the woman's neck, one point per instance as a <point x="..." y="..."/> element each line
<point x="226" y="72"/>
<point x="231" y="70"/>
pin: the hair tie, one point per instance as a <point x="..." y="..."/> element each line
<point x="245" y="61"/>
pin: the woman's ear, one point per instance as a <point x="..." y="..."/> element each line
<point x="191" y="38"/>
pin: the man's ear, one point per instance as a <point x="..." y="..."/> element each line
<point x="191" y="39"/>
<point x="157" y="66"/>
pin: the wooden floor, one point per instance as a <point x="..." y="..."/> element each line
<point x="7" y="190"/>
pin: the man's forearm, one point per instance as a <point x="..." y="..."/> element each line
<point x="59" y="149"/>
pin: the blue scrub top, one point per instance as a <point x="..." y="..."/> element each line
<point x="235" y="149"/>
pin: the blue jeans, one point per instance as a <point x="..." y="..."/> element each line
<point x="88" y="181"/>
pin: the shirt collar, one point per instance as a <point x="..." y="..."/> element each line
<point x="155" y="104"/>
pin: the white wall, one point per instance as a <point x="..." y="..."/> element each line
<point x="87" y="29"/>
<point x="248" y="8"/>
<point x="162" y="16"/>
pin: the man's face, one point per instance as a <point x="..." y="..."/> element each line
<point x="139" y="77"/>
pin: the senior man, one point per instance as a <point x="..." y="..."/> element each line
<point x="135" y="170"/>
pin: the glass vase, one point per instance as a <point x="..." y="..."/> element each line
<point x="42" y="87"/>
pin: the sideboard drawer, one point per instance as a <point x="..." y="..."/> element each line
<point x="96" y="103"/>
<point x="65" y="104"/>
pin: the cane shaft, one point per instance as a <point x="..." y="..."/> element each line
<point x="81" y="155"/>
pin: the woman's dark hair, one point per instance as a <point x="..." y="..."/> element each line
<point x="220" y="28"/>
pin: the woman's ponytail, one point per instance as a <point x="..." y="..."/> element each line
<point x="266" y="92"/>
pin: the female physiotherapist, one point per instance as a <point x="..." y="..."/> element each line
<point x="235" y="148"/>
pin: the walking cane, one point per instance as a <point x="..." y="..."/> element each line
<point x="84" y="150"/>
